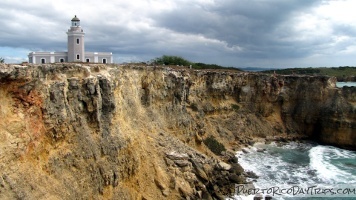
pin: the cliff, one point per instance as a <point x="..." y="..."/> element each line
<point x="70" y="131"/>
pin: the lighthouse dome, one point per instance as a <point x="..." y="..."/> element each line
<point x="75" y="18"/>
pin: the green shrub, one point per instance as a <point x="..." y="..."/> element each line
<point x="194" y="106"/>
<point x="211" y="66"/>
<point x="214" y="146"/>
<point x="177" y="60"/>
<point x="171" y="60"/>
<point x="235" y="107"/>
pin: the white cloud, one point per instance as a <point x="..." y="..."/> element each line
<point x="338" y="11"/>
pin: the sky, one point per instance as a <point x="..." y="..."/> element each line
<point x="232" y="33"/>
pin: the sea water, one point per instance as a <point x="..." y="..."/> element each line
<point x="348" y="84"/>
<point x="301" y="165"/>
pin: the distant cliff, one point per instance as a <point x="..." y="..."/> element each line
<point x="72" y="131"/>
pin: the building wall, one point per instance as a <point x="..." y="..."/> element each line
<point x="55" y="57"/>
<point x="97" y="57"/>
<point x="49" y="57"/>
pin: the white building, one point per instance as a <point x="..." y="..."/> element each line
<point x="76" y="51"/>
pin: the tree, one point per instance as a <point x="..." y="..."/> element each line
<point x="2" y="60"/>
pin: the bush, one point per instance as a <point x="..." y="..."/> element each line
<point x="177" y="60"/>
<point x="171" y="60"/>
<point x="2" y="60"/>
<point x="211" y="66"/>
<point x="194" y="106"/>
<point x="214" y="146"/>
<point x="235" y="107"/>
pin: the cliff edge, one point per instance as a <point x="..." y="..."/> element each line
<point x="70" y="131"/>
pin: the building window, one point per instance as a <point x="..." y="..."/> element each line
<point x="104" y="60"/>
<point x="88" y="60"/>
<point x="43" y="61"/>
<point x="78" y="57"/>
<point x="77" y="40"/>
<point x="61" y="60"/>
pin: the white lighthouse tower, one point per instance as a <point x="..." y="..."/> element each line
<point x="76" y="52"/>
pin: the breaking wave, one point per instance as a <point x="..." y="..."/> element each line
<point x="301" y="164"/>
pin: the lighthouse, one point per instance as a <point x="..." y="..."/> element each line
<point x="76" y="51"/>
<point x="76" y="42"/>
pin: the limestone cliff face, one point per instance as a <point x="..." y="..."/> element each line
<point x="136" y="132"/>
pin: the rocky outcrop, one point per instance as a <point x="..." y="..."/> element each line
<point x="137" y="132"/>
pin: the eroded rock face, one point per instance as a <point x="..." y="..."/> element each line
<point x="137" y="132"/>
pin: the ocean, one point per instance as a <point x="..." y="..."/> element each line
<point x="300" y="170"/>
<point x="342" y="84"/>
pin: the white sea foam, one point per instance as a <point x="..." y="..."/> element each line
<point x="301" y="164"/>
<point x="321" y="158"/>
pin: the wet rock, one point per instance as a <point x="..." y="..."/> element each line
<point x="229" y="156"/>
<point x="251" y="142"/>
<point x="236" y="169"/>
<point x="258" y="197"/>
<point x="233" y="160"/>
<point x="245" y="150"/>
<point x="237" y="179"/>
<point x="261" y="150"/>
<point x="251" y="174"/>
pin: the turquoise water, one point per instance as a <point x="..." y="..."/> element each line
<point x="342" y="84"/>
<point x="301" y="166"/>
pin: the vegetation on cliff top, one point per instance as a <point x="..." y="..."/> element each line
<point x="177" y="60"/>
<point x="2" y="60"/>
<point x="341" y="73"/>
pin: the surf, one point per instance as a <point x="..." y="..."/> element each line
<point x="298" y="164"/>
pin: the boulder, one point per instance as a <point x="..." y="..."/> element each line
<point x="260" y="150"/>
<point x="181" y="163"/>
<point x="160" y="184"/>
<point x="236" y="169"/>
<point x="199" y="170"/>
<point x="177" y="156"/>
<point x="236" y="179"/>
<point x="223" y="166"/>
<point x="245" y="150"/>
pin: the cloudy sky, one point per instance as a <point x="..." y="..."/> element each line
<point x="238" y="33"/>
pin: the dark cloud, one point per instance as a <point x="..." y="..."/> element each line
<point x="248" y="24"/>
